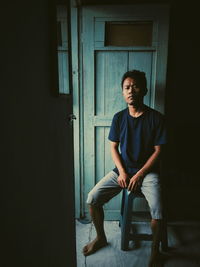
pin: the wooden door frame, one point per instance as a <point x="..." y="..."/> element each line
<point x="77" y="77"/>
<point x="77" y="124"/>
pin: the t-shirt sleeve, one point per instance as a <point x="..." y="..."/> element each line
<point x="160" y="135"/>
<point x="114" y="134"/>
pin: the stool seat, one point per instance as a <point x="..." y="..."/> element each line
<point x="126" y="221"/>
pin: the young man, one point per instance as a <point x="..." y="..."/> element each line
<point x="140" y="132"/>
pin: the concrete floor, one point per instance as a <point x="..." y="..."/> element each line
<point x="183" y="241"/>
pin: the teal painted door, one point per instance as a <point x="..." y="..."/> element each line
<point x="102" y="68"/>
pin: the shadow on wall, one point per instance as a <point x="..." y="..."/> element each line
<point x="181" y="175"/>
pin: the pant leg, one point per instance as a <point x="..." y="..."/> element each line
<point x="152" y="191"/>
<point x="104" y="190"/>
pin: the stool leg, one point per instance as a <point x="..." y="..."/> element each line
<point x="122" y="207"/>
<point x="164" y="236"/>
<point x="126" y="220"/>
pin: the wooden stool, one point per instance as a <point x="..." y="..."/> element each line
<point x="126" y="218"/>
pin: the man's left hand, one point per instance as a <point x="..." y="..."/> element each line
<point x="135" y="182"/>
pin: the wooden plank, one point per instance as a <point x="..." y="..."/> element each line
<point x="99" y="31"/>
<point x="114" y="68"/>
<point x="112" y="208"/>
<point x="99" y="154"/>
<point x="144" y="11"/>
<point x="76" y="107"/>
<point x="143" y="61"/>
<point x="108" y="89"/>
<point x="99" y="84"/>
<point x="109" y="164"/>
<point x="102" y="120"/>
<point x="99" y="47"/>
<point x="88" y="102"/>
<point x="63" y="69"/>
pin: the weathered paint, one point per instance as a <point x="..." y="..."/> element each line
<point x="100" y="94"/>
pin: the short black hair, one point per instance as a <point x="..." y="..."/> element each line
<point x="137" y="75"/>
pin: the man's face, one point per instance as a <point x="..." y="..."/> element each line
<point x="131" y="92"/>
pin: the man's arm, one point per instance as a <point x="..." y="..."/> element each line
<point x="146" y="168"/>
<point x="123" y="176"/>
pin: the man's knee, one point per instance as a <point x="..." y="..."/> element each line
<point x="93" y="199"/>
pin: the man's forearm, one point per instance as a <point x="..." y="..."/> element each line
<point x="151" y="161"/>
<point x="117" y="159"/>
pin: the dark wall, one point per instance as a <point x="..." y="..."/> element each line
<point x="182" y="112"/>
<point x="36" y="174"/>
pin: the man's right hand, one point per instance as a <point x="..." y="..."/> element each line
<point x="123" y="180"/>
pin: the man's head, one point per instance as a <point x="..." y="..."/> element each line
<point x="134" y="86"/>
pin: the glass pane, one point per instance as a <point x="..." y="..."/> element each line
<point x="129" y="33"/>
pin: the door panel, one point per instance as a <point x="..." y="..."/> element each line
<point x="103" y="67"/>
<point x="108" y="72"/>
<point x="103" y="161"/>
<point x="143" y="61"/>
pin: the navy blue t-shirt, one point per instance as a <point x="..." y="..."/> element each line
<point x="137" y="137"/>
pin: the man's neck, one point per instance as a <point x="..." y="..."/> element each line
<point x="136" y="110"/>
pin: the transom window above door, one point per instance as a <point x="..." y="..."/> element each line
<point x="133" y="33"/>
<point x="125" y="32"/>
